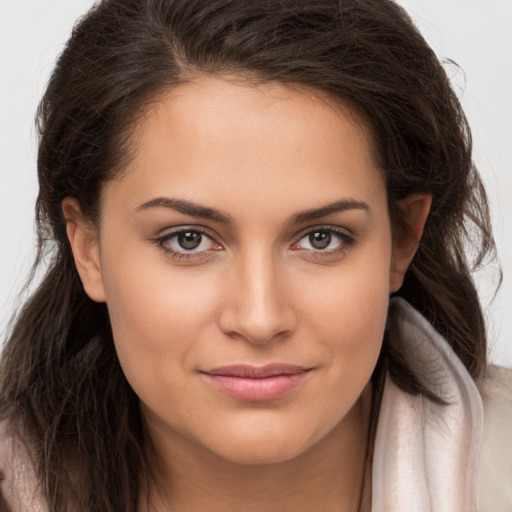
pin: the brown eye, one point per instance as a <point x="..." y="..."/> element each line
<point x="324" y="240"/>
<point x="320" y="239"/>
<point x="189" y="240"/>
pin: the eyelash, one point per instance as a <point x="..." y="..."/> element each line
<point x="346" y="241"/>
<point x="184" y="255"/>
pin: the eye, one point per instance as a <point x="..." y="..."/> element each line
<point x="188" y="240"/>
<point x="187" y="243"/>
<point x="327" y="240"/>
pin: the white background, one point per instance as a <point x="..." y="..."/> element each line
<point x="474" y="33"/>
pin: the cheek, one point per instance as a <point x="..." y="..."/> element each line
<point x="156" y="316"/>
<point x="355" y="332"/>
<point x="354" y="297"/>
<point x="348" y="312"/>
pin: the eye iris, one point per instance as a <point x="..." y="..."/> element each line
<point x="320" y="239"/>
<point x="189" y="240"/>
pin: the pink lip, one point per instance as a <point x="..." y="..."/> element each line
<point x="257" y="384"/>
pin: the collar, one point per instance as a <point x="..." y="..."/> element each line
<point x="426" y="454"/>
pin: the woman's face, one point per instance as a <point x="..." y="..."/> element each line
<point x="246" y="259"/>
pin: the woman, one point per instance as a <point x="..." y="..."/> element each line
<point x="231" y="192"/>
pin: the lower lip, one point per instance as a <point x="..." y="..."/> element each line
<point x="257" y="390"/>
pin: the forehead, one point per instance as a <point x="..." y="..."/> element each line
<point x="212" y="139"/>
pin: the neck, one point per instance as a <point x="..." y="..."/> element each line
<point x="328" y="476"/>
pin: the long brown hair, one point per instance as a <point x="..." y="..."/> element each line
<point x="61" y="386"/>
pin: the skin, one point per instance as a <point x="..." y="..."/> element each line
<point x="256" y="291"/>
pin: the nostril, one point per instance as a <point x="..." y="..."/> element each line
<point x="257" y="326"/>
<point x="260" y="330"/>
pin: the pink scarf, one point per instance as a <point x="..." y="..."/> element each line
<point x="426" y="454"/>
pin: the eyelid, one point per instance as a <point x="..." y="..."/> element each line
<point x="337" y="230"/>
<point x="170" y="233"/>
<point x="167" y="232"/>
<point x="347" y="240"/>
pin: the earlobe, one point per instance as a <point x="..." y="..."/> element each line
<point x="415" y="208"/>
<point x="83" y="239"/>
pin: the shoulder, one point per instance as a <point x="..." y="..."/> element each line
<point x="18" y="485"/>
<point x="4" y="465"/>
<point x="494" y="480"/>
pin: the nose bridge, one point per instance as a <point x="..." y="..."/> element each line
<point x="258" y="308"/>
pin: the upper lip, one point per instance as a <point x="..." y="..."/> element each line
<point x="257" y="372"/>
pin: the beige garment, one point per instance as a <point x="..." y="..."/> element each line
<point x="433" y="457"/>
<point x="494" y="480"/>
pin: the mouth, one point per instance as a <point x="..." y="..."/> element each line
<point x="257" y="384"/>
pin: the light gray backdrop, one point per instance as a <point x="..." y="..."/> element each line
<point x="474" y="33"/>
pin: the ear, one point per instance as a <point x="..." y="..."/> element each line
<point x="415" y="209"/>
<point x="83" y="238"/>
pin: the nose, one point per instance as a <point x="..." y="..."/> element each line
<point x="257" y="307"/>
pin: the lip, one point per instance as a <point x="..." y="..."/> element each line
<point x="256" y="383"/>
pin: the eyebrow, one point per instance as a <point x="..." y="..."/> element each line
<point x="205" y="212"/>
<point x="187" y="208"/>
<point x="329" y="209"/>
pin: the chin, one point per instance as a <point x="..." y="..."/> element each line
<point x="263" y="449"/>
<point x="259" y="455"/>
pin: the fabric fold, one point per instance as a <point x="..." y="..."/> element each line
<point x="426" y="453"/>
